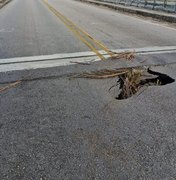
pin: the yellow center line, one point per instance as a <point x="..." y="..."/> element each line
<point x="80" y="33"/>
<point x="80" y="37"/>
<point x="88" y="35"/>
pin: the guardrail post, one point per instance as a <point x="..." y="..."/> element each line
<point x="137" y="3"/>
<point x="125" y="2"/>
<point x="131" y="2"/>
<point x="164" y="3"/>
<point x="145" y="3"/>
<point x="154" y="3"/>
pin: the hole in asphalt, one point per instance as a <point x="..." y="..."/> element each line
<point x="131" y="82"/>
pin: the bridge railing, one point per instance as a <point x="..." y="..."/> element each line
<point x="164" y="5"/>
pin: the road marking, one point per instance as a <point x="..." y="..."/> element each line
<point x="80" y="33"/>
<point x="46" y="61"/>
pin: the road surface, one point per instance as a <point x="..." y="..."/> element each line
<point x="28" y="28"/>
<point x="53" y="127"/>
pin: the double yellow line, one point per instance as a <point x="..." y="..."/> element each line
<point x="81" y="34"/>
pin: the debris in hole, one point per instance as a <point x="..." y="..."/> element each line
<point x="11" y="85"/>
<point x="131" y="82"/>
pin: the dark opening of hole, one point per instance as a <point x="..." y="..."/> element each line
<point x="132" y="82"/>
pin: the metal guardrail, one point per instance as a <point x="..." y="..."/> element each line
<point x="163" y="5"/>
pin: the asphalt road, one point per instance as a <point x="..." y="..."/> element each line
<point x="28" y="28"/>
<point x="53" y="128"/>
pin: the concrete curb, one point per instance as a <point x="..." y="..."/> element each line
<point x="133" y="10"/>
<point x="5" y="3"/>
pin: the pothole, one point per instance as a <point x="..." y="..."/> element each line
<point x="132" y="81"/>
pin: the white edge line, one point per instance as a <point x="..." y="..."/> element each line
<point x="66" y="61"/>
<point x="85" y="54"/>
